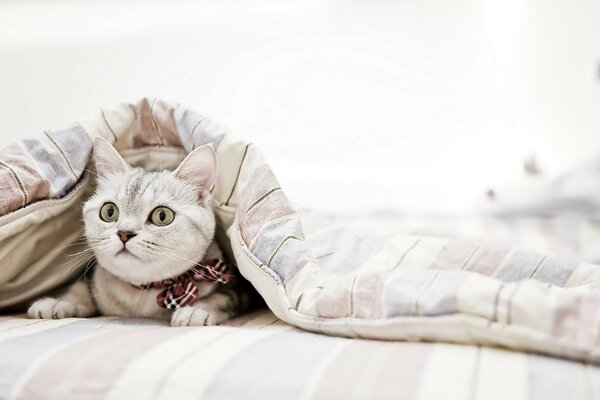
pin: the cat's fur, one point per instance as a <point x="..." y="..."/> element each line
<point x="155" y="253"/>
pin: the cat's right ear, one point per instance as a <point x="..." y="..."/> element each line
<point x="107" y="158"/>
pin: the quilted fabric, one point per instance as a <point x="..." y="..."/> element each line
<point x="362" y="281"/>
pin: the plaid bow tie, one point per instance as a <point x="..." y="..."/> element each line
<point x="181" y="291"/>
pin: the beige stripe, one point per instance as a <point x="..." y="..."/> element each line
<point x="365" y="386"/>
<point x="64" y="155"/>
<point x="237" y="176"/>
<point x="205" y="351"/>
<point x="31" y="328"/>
<point x="502" y="375"/>
<point x="312" y="389"/>
<point x="19" y="183"/>
<point x="449" y="373"/>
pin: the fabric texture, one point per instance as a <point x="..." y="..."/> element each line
<point x="261" y="357"/>
<point x="368" y="281"/>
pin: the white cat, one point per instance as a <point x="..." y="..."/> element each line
<point x="152" y="234"/>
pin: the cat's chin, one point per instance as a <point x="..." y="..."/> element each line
<point x="125" y="252"/>
<point x="132" y="269"/>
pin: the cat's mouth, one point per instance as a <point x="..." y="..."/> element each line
<point x="125" y="251"/>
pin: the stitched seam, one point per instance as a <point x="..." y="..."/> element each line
<point x="537" y="267"/>
<point x="325" y="255"/>
<point x="509" y="304"/>
<point x="261" y="198"/>
<point x="194" y="130"/>
<point x="298" y="301"/>
<point x="154" y="124"/>
<point x="279" y="248"/>
<point x="19" y="183"/>
<point x="64" y="155"/>
<point x="496" y="301"/>
<point x="420" y="296"/>
<point x="404" y="255"/>
<point x="237" y="176"/>
<point x="468" y="260"/>
<point x="108" y="125"/>
<point x="352" y="286"/>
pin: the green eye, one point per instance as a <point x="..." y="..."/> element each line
<point x="162" y="216"/>
<point x="109" y="212"/>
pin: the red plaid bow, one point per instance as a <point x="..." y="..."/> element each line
<point x="181" y="291"/>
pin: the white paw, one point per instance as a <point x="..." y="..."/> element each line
<point x="50" y="308"/>
<point x="190" y="316"/>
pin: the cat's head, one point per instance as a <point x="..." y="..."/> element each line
<point x="149" y="226"/>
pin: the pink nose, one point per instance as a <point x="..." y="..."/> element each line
<point x="125" y="235"/>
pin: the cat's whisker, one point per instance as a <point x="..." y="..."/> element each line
<point x="91" y="172"/>
<point x="77" y="242"/>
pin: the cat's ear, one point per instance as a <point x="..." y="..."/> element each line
<point x="107" y="159"/>
<point x="199" y="168"/>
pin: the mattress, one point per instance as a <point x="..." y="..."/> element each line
<point x="257" y="356"/>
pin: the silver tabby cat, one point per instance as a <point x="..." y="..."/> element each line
<point x="147" y="227"/>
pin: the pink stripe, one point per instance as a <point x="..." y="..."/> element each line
<point x="368" y="295"/>
<point x="86" y="369"/>
<point x="272" y="207"/>
<point x="487" y="260"/>
<point x="35" y="186"/>
<point x="399" y="369"/>
<point x="154" y="124"/>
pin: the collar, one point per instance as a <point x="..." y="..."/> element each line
<point x="181" y="290"/>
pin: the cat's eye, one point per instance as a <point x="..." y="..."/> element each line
<point x="109" y="212"/>
<point x="162" y="216"/>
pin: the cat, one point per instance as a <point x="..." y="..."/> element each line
<point x="152" y="235"/>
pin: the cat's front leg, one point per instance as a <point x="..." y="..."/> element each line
<point x="213" y="309"/>
<point x="76" y="302"/>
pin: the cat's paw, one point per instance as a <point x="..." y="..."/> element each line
<point x="190" y="316"/>
<point x="50" y="308"/>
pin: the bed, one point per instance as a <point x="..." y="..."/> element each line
<point x="258" y="356"/>
<point x="383" y="306"/>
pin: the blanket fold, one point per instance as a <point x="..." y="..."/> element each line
<point x="333" y="278"/>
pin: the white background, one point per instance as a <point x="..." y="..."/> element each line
<point x="358" y="105"/>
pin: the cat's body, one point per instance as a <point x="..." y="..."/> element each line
<point x="152" y="234"/>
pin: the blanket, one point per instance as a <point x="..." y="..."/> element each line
<point x="339" y="280"/>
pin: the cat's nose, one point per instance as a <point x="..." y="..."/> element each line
<point x="125" y="235"/>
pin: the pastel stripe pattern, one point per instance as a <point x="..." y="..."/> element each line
<point x="418" y="278"/>
<point x="21" y="183"/>
<point x="260" y="357"/>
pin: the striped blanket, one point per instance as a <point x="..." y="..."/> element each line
<point x="368" y="280"/>
<point x="260" y="357"/>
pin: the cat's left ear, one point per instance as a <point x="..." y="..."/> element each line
<point x="107" y="158"/>
<point x="199" y="168"/>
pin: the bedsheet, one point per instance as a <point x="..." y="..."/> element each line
<point x="258" y="356"/>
